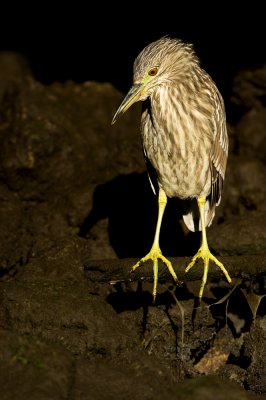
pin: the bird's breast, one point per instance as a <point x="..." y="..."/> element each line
<point x="177" y="145"/>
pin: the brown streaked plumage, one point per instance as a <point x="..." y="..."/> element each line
<point x="185" y="142"/>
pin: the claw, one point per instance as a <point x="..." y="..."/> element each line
<point x="206" y="255"/>
<point x="154" y="255"/>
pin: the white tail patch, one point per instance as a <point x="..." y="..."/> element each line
<point x="192" y="218"/>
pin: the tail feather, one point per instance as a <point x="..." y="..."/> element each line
<point x="191" y="215"/>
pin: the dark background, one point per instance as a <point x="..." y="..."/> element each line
<point x="99" y="42"/>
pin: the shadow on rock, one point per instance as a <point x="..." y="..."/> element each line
<point x="127" y="299"/>
<point x="131" y="208"/>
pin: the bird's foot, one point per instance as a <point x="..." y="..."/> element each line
<point x="206" y="255"/>
<point x="155" y="254"/>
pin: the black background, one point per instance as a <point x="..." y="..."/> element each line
<point x="83" y="42"/>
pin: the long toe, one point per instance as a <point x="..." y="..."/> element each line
<point x="221" y="266"/>
<point x="154" y="255"/>
<point x="206" y="256"/>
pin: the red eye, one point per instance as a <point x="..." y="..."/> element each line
<point x="153" y="71"/>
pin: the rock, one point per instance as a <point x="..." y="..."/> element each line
<point x="248" y="96"/>
<point x="251" y="134"/>
<point x="256" y="357"/>
<point x="249" y="231"/>
<point x="142" y="379"/>
<point x="52" y="300"/>
<point x="244" y="186"/>
<point x="33" y="369"/>
<point x="74" y="188"/>
<point x="14" y="241"/>
<point x="57" y="146"/>
<point x="249" y="88"/>
<point x="44" y="370"/>
<point x="209" y="387"/>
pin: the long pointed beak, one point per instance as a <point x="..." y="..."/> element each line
<point x="132" y="97"/>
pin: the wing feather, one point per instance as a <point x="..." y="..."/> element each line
<point x="219" y="151"/>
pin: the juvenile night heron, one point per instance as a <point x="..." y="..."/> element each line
<point x="184" y="137"/>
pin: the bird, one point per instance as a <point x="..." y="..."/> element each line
<point x="184" y="140"/>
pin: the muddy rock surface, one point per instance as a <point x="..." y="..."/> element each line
<point x="77" y="211"/>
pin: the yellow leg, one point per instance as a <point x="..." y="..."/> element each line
<point x="204" y="251"/>
<point x="155" y="252"/>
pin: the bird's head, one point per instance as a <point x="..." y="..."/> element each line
<point x="159" y="63"/>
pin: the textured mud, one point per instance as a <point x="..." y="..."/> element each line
<point x="76" y="211"/>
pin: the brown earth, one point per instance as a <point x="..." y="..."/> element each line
<point x="77" y="210"/>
